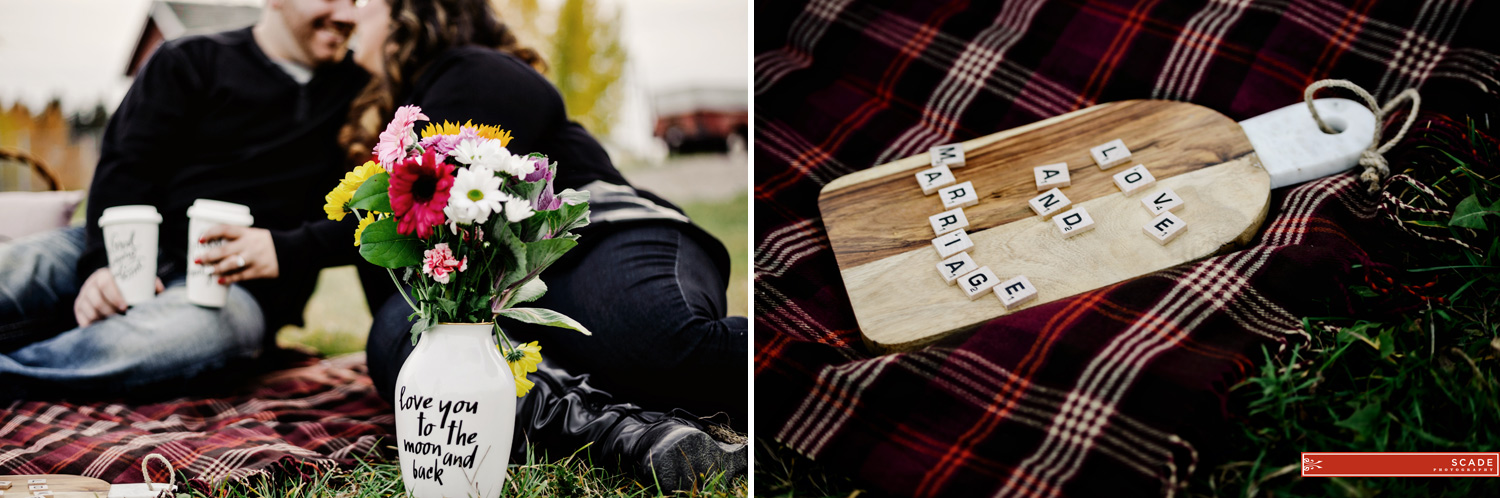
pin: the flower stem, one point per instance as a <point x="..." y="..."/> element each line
<point x="402" y="290"/>
<point x="509" y="348"/>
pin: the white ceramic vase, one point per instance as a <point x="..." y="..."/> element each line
<point x="455" y="413"/>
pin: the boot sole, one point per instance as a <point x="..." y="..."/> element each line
<point x="698" y="457"/>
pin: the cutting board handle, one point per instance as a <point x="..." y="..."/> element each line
<point x="1292" y="148"/>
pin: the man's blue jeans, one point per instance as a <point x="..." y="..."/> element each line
<point x="164" y="339"/>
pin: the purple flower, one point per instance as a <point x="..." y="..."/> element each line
<point x="544" y="199"/>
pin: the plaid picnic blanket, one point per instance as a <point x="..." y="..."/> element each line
<point x="307" y="419"/>
<point x="1119" y="391"/>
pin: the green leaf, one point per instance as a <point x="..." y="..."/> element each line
<point x="1363" y="420"/>
<point x="420" y="326"/>
<point x="546" y="317"/>
<point x="1387" y="343"/>
<point x="542" y="253"/>
<point x="374" y="194"/>
<point x="1470" y="214"/>
<point x="517" y="252"/>
<point x="530" y="291"/>
<point x="571" y="197"/>
<point x="381" y="245"/>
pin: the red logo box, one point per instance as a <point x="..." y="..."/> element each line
<point x="1372" y="464"/>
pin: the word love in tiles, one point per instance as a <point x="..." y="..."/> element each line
<point x="976" y="283"/>
<point x="1050" y="203"/>
<point x="1052" y="175"/>
<point x="948" y="221"/>
<point x="956" y="266"/>
<point x="1111" y="154"/>
<point x="1073" y="222"/>
<point x="1134" y="179"/>
<point x="959" y="196"/>
<point x="1165" y="228"/>
<point x="948" y="155"/>
<point x="933" y="179"/>
<point x="952" y="243"/>
<point x="441" y="435"/>
<point x="1015" y="292"/>
<point x="1162" y="201"/>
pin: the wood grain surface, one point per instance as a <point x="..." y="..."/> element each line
<point x="61" y="486"/>
<point x="877" y="219"/>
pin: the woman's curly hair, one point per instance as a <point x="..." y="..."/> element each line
<point x="419" y="30"/>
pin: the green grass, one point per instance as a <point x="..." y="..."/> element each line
<point x="570" y="476"/>
<point x="729" y="221"/>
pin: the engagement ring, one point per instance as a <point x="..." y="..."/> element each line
<point x="240" y="260"/>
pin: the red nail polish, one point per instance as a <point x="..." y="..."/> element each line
<point x="221" y="281"/>
<point x="197" y="261"/>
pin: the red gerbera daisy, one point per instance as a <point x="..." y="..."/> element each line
<point x="419" y="191"/>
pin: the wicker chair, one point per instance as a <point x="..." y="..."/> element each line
<point x="25" y="213"/>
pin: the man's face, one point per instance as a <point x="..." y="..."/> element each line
<point x="320" y="27"/>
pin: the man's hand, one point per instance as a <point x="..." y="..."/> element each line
<point x="247" y="254"/>
<point x="99" y="298"/>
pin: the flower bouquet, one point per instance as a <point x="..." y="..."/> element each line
<point x="469" y="226"/>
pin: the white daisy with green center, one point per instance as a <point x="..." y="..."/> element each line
<point x="475" y="195"/>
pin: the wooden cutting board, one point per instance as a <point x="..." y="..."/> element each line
<point x="877" y="219"/>
<point x="61" y="486"/>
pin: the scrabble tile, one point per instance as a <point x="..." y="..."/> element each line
<point x="37" y="481"/>
<point x="952" y="243"/>
<point x="1165" y="228"/>
<point x="1052" y="175"/>
<point x="951" y="155"/>
<point x="4" y="484"/>
<point x="1110" y="154"/>
<point x="1073" y="222"/>
<point x="961" y="195"/>
<point x="955" y="266"/>
<point x="933" y="179"/>
<point x="1049" y="203"/>
<point x="1134" y="179"/>
<point x="38" y="487"/>
<point x="977" y="282"/>
<point x="41" y="493"/>
<point x="1161" y="201"/>
<point x="1015" y="292"/>
<point x="948" y="221"/>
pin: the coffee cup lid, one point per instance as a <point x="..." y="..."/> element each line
<point x="221" y="212"/>
<point x="129" y="214"/>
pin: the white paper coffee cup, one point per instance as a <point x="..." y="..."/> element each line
<point x="203" y="286"/>
<point x="130" y="236"/>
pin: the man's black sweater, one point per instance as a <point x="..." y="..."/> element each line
<point x="213" y="117"/>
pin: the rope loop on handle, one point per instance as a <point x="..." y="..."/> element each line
<point x="1376" y="167"/>
<point x="171" y="472"/>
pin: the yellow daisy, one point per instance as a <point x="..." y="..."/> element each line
<point x="363" y="223"/>
<point x="485" y="131"/>
<point x="338" y="202"/>
<point x="354" y="179"/>
<point x="522" y="361"/>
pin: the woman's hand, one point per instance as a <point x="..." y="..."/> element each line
<point x="247" y="254"/>
<point x="99" y="298"/>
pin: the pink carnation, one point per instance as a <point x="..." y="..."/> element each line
<point x="398" y="136"/>
<point x="438" y="262"/>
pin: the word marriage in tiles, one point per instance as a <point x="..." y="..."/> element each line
<point x="948" y="155"/>
<point x="979" y="281"/>
<point x="948" y="221"/>
<point x="959" y="196"/>
<point x="1015" y="292"/>
<point x="933" y="179"/>
<point x="956" y="266"/>
<point x="952" y="243"/>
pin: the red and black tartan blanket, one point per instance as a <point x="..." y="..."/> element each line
<point x="1119" y="391"/>
<point x="294" y="422"/>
